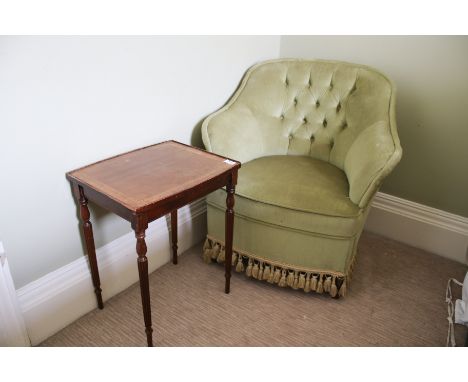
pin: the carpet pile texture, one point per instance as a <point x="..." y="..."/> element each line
<point x="396" y="298"/>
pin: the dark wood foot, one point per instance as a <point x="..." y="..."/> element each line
<point x="229" y="229"/>
<point x="174" y="236"/>
<point x="90" y="248"/>
<point x="144" y="282"/>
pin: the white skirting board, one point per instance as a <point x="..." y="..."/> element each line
<point x="59" y="298"/>
<point x="420" y="226"/>
<point x="12" y="328"/>
<point x="62" y="296"/>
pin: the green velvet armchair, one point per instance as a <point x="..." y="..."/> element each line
<point x="316" y="139"/>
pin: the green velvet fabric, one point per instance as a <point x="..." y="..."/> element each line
<point x="298" y="183"/>
<point x="296" y="192"/>
<point x="289" y="247"/>
<point x="316" y="139"/>
<point x="324" y="109"/>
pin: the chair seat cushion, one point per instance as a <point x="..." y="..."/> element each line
<point x="295" y="192"/>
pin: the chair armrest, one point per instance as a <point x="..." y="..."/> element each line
<point x="372" y="156"/>
<point x="233" y="132"/>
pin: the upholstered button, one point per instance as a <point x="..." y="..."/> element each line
<point x="331" y="86"/>
<point x="324" y="123"/>
<point x="282" y="116"/>
<point x="312" y="138"/>
<point x="317" y="103"/>
<point x="345" y="125"/>
<point x="310" y="82"/>
<point x="304" y="120"/>
<point x="332" y="143"/>
<point x="338" y="107"/>
<point x="295" y="101"/>
<point x="290" y="136"/>
<point x="286" y="81"/>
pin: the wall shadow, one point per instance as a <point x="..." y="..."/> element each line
<point x="196" y="137"/>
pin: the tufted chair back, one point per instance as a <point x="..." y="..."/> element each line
<point x="337" y="112"/>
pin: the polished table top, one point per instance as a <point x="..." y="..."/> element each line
<point x="146" y="176"/>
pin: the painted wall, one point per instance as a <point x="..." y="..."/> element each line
<point x="69" y="101"/>
<point x="431" y="76"/>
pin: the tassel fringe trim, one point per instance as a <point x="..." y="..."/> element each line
<point x="284" y="275"/>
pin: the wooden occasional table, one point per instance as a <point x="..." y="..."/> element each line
<point x="146" y="184"/>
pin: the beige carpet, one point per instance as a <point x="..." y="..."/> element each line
<point x="396" y="299"/>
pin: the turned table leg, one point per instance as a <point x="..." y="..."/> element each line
<point x="144" y="281"/>
<point x="90" y="248"/>
<point x="174" y="236"/>
<point x="229" y="229"/>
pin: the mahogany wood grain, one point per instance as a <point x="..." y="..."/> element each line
<point x="141" y="178"/>
<point x="174" y="236"/>
<point x="229" y="228"/>
<point x="90" y="248"/>
<point x="139" y="225"/>
<point x="146" y="184"/>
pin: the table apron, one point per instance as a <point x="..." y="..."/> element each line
<point x="160" y="208"/>
<point x="106" y="202"/>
